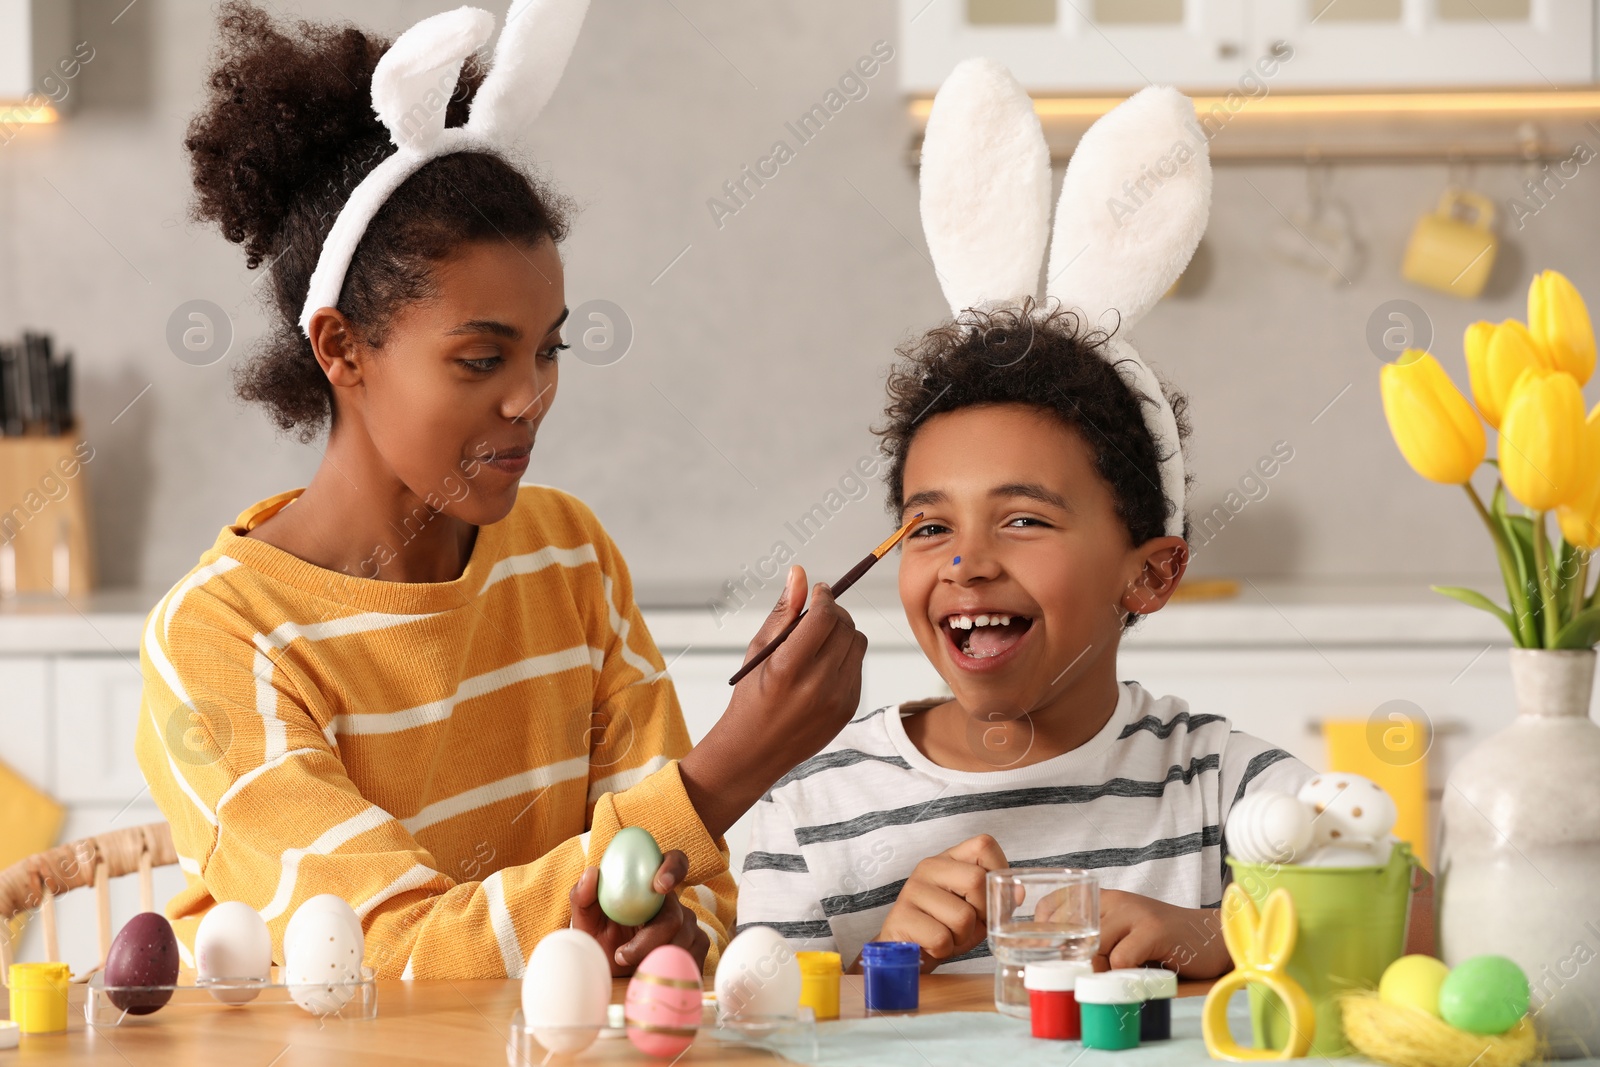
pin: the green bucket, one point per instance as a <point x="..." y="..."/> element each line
<point x="1352" y="925"/>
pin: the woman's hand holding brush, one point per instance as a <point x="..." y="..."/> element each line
<point x="782" y="712"/>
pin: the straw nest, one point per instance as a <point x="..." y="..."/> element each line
<point x="1404" y="1036"/>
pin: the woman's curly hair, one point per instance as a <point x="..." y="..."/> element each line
<point x="286" y="133"/>
<point x="1045" y="359"/>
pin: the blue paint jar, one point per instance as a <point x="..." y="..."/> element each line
<point x="1157" y="986"/>
<point x="891" y="971"/>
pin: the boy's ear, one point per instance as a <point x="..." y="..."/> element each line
<point x="1161" y="562"/>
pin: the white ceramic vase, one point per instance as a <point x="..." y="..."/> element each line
<point x="1519" y="871"/>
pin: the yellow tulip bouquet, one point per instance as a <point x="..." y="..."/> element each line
<point x="1527" y="381"/>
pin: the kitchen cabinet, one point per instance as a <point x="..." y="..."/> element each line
<point x="1115" y="46"/>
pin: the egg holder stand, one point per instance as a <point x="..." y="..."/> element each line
<point x="356" y="999"/>
<point x="1348" y="924"/>
<point x="524" y="1049"/>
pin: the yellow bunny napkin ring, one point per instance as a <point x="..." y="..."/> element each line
<point x="1260" y="945"/>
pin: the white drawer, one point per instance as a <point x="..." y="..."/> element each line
<point x="25" y="719"/>
<point x="96" y="710"/>
<point x="1281" y="694"/>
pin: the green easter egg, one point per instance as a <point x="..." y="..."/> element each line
<point x="626" y="872"/>
<point x="1484" y="995"/>
<point x="1414" y="981"/>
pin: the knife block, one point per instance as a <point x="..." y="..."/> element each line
<point x="45" y="538"/>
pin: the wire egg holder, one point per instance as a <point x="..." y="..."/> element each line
<point x="356" y="999"/>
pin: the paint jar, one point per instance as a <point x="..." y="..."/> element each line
<point x="39" y="997"/>
<point x="1158" y="986"/>
<point x="890" y="973"/>
<point x="819" y="983"/>
<point x="1109" y="1003"/>
<point x="1052" y="1005"/>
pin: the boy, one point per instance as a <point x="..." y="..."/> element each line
<point x="1040" y="543"/>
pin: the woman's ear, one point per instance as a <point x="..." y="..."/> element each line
<point x="334" y="342"/>
<point x="1161" y="562"/>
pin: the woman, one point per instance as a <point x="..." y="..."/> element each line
<point x="416" y="684"/>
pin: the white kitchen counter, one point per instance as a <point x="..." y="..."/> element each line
<point x="1278" y="660"/>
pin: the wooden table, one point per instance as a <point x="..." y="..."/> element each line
<point x="418" y="1023"/>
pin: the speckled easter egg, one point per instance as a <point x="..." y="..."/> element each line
<point x="1414" y="981"/>
<point x="663" y="1002"/>
<point x="143" y="954"/>
<point x="627" y="872"/>
<point x="1484" y="995"/>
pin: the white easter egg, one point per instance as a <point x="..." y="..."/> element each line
<point x="1284" y="825"/>
<point x="324" y="903"/>
<point x="233" y="942"/>
<point x="1347" y="807"/>
<point x="1268" y="827"/>
<point x="1236" y="834"/>
<point x="566" y="991"/>
<point x="321" y="961"/>
<point x="758" y="975"/>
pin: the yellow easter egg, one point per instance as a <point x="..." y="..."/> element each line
<point x="1414" y="981"/>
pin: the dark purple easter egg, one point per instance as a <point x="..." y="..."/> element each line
<point x="144" y="953"/>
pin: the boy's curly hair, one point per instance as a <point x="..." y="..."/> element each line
<point x="286" y="133"/>
<point x="1045" y="359"/>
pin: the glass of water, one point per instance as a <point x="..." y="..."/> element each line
<point x="1039" y="913"/>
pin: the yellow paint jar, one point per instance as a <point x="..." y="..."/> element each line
<point x="819" y="983"/>
<point x="39" y="997"/>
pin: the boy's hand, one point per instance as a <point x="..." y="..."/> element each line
<point x="1136" y="931"/>
<point x="626" y="946"/>
<point x="782" y="712"/>
<point x="943" y="905"/>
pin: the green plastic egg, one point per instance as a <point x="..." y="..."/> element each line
<point x="1414" y="981"/>
<point x="1484" y="995"/>
<point x="627" y="871"/>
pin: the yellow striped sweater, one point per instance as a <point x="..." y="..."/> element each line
<point x="447" y="756"/>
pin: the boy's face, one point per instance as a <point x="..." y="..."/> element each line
<point x="1017" y="525"/>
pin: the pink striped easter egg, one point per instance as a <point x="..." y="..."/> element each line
<point x="663" y="1002"/>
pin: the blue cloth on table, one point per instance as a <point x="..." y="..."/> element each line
<point x="976" y="1039"/>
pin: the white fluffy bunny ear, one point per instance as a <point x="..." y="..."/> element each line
<point x="1160" y="421"/>
<point x="414" y="79"/>
<point x="985" y="188"/>
<point x="532" y="52"/>
<point x="1134" y="203"/>
<point x="411" y="87"/>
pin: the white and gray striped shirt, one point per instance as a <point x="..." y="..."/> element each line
<point x="1142" y="803"/>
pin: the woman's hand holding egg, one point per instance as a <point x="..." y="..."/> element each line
<point x="627" y="946"/>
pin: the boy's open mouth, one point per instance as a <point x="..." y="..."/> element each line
<point x="985" y="635"/>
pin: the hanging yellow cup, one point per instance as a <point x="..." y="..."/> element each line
<point x="1452" y="248"/>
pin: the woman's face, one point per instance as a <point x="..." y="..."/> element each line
<point x="453" y="399"/>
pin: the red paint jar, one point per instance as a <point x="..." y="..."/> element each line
<point x="1052" y="1005"/>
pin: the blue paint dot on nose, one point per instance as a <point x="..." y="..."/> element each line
<point x="958" y="560"/>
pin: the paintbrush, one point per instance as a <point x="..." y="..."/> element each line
<point x="837" y="588"/>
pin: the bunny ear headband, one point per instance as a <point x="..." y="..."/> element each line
<point x="1133" y="205"/>
<point x="411" y="87"/>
